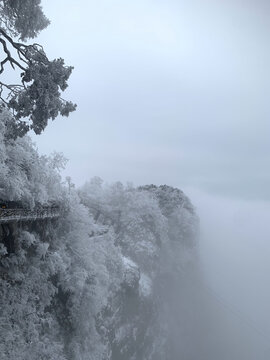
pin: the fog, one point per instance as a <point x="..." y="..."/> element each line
<point x="178" y="93"/>
<point x="167" y="92"/>
<point x="234" y="249"/>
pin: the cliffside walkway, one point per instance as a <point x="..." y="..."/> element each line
<point x="14" y="215"/>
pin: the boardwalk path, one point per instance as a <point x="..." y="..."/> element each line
<point x="12" y="215"/>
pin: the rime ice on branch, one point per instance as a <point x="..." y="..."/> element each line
<point x="36" y="97"/>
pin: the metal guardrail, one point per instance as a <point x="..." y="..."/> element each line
<point x="11" y="215"/>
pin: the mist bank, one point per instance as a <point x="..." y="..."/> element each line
<point x="234" y="254"/>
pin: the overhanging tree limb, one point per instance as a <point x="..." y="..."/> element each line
<point x="36" y="97"/>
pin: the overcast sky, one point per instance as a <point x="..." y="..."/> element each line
<point x="172" y="92"/>
<point x="176" y="92"/>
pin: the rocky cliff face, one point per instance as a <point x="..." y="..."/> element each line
<point x="155" y="230"/>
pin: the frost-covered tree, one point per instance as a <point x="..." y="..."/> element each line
<point x="60" y="272"/>
<point x="23" y="19"/>
<point x="36" y="97"/>
<point x="24" y="175"/>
